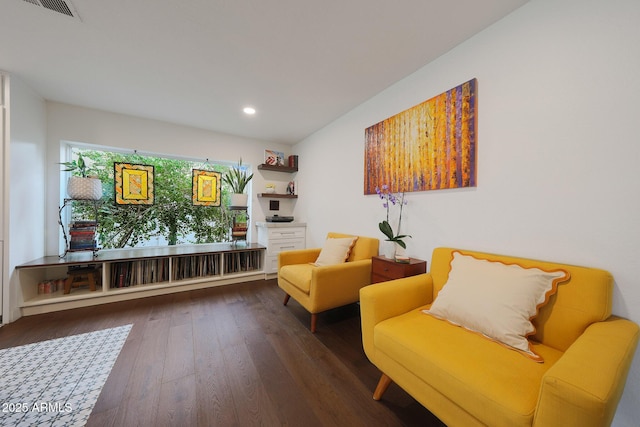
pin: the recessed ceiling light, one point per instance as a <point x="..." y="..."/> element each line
<point x="249" y="111"/>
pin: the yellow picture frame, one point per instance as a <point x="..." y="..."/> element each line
<point x="206" y="188"/>
<point x="134" y="184"/>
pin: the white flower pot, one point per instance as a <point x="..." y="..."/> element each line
<point x="239" y="200"/>
<point x="84" y="188"/>
<point x="391" y="249"/>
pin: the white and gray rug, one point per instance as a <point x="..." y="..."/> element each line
<point x="57" y="382"/>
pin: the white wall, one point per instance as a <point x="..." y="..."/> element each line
<point x="558" y="151"/>
<point x="104" y="129"/>
<point x="26" y="182"/>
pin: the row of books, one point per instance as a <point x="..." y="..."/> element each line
<point x="194" y="266"/>
<point x="187" y="267"/>
<point x="131" y="273"/>
<point x="239" y="231"/>
<point x="236" y="262"/>
<point x="82" y="235"/>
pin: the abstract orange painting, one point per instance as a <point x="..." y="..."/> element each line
<point x="427" y="147"/>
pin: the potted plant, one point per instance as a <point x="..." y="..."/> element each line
<point x="237" y="178"/>
<point x="81" y="185"/>
<point x="396" y="240"/>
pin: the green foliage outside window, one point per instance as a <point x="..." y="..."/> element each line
<point x="172" y="216"/>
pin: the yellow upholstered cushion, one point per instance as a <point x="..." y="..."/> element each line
<point x="365" y="247"/>
<point x="498" y="387"/>
<point x="496" y="299"/>
<point x="335" y="251"/>
<point x="298" y="275"/>
<point x="580" y="301"/>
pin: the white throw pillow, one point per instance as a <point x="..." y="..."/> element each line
<point x="496" y="299"/>
<point x="335" y="251"/>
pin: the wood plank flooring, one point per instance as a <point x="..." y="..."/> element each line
<point x="230" y="356"/>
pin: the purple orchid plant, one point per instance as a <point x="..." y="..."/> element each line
<point x="392" y="199"/>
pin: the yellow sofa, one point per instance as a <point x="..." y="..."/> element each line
<point x="467" y="380"/>
<point x="319" y="289"/>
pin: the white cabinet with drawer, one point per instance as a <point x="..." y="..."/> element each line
<point x="278" y="237"/>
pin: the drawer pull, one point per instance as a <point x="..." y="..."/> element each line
<point x="287" y="247"/>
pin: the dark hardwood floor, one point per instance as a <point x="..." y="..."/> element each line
<point x="230" y="356"/>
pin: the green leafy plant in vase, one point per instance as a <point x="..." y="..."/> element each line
<point x="238" y="178"/>
<point x="81" y="185"/>
<point x="390" y="199"/>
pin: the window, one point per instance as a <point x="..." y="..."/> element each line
<point x="172" y="219"/>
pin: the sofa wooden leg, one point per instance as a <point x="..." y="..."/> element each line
<point x="382" y="386"/>
<point x="286" y="299"/>
<point x="314" y="322"/>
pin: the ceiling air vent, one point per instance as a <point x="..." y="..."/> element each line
<point x="61" y="6"/>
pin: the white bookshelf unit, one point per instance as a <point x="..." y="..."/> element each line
<point x="138" y="273"/>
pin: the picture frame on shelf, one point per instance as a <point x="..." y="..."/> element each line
<point x="134" y="184"/>
<point x="273" y="158"/>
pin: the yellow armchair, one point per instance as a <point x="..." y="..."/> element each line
<point x="467" y="380"/>
<point x="320" y="288"/>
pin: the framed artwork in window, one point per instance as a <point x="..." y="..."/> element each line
<point x="133" y="184"/>
<point x="206" y="188"/>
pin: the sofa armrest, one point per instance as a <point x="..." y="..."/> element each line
<point x="338" y="284"/>
<point x="385" y="300"/>
<point x="584" y="387"/>
<point x="298" y="256"/>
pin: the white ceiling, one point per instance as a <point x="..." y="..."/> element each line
<point x="300" y="63"/>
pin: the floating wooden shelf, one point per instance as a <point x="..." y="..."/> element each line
<point x="277" y="196"/>
<point x="288" y="169"/>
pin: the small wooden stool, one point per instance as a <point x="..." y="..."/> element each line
<point x="79" y="277"/>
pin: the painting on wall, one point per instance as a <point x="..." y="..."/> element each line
<point x="133" y="184"/>
<point x="206" y="188"/>
<point x="427" y="147"/>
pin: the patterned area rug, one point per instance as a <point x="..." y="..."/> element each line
<point x="57" y="382"/>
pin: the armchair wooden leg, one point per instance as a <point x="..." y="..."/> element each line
<point x="314" y="322"/>
<point x="382" y="386"/>
<point x="286" y="299"/>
